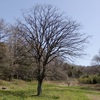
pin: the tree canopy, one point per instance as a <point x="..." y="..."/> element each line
<point x="47" y="34"/>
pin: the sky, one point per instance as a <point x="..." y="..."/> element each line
<point x="86" y="12"/>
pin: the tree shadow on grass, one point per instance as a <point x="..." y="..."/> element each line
<point x="27" y="94"/>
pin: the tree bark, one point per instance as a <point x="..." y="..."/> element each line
<point x="39" y="88"/>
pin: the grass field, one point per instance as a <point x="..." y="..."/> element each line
<point x="20" y="90"/>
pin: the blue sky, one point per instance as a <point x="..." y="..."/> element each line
<point x="86" y="12"/>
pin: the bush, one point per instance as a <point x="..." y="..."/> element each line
<point x="92" y="79"/>
<point x="98" y="79"/>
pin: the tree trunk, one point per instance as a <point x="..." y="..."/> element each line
<point x="10" y="77"/>
<point x="39" y="88"/>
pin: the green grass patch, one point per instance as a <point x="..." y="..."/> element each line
<point x="20" y="90"/>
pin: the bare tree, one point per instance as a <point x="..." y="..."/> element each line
<point x="3" y="30"/>
<point x="47" y="35"/>
<point x="96" y="60"/>
<point x="18" y="55"/>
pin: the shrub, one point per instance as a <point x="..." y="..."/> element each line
<point x="92" y="79"/>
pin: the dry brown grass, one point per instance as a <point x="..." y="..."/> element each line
<point x="93" y="97"/>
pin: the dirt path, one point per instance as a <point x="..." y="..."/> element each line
<point x="93" y="97"/>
